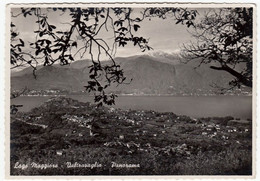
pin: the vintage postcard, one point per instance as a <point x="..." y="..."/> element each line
<point x="157" y="89"/>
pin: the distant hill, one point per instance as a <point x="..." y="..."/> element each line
<point x="150" y="74"/>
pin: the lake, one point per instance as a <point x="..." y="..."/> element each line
<point x="196" y="106"/>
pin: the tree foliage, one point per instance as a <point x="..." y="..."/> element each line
<point x="224" y="39"/>
<point x="54" y="45"/>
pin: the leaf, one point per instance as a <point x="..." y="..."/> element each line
<point x="22" y="42"/>
<point x="135" y="42"/>
<point x="48" y="42"/>
<point x="136" y="27"/>
<point x="41" y="34"/>
<point x="14" y="34"/>
<point x="92" y="76"/>
<point x="100" y="89"/>
<point x="71" y="58"/>
<point x="119" y="22"/>
<point x="138" y="19"/>
<point x="53" y="27"/>
<point x="74" y="44"/>
<point x="56" y="50"/>
<point x="99" y="104"/>
<point x="98" y="98"/>
<point x="49" y="27"/>
<point x="92" y="83"/>
<point x="48" y="49"/>
<point x="46" y="60"/>
<point x="118" y="38"/>
<point x="42" y="21"/>
<point x="122" y="29"/>
<point x="178" y="21"/>
<point x="122" y="43"/>
<point x="91" y="70"/>
<point x="59" y="32"/>
<point x="42" y="42"/>
<point x="37" y="52"/>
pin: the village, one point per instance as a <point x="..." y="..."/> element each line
<point x="65" y="130"/>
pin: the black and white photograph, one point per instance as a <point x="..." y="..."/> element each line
<point x="131" y="89"/>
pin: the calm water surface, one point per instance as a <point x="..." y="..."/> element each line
<point x="200" y="106"/>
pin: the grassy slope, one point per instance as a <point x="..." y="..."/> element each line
<point x="162" y="143"/>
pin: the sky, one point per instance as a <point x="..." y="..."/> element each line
<point x="164" y="35"/>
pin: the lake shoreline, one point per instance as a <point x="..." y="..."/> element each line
<point x="142" y="95"/>
<point x="206" y="106"/>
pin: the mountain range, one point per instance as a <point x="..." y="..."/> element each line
<point x="151" y="74"/>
